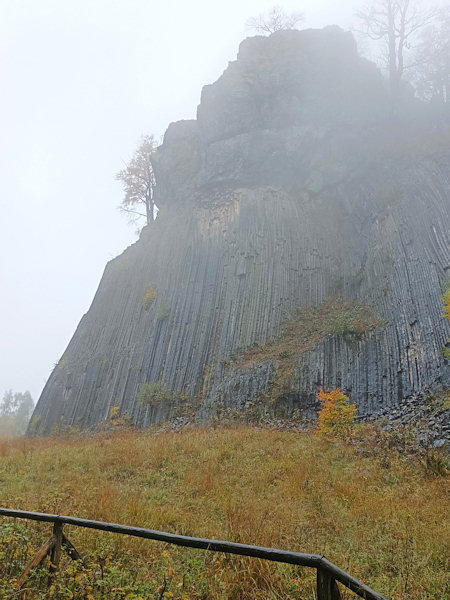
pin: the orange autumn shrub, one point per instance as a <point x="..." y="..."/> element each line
<point x="337" y="413"/>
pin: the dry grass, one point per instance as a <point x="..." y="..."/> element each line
<point x="382" y="520"/>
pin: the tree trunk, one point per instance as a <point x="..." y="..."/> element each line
<point x="393" y="70"/>
<point x="149" y="208"/>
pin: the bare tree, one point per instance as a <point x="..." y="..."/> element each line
<point x="138" y="179"/>
<point x="397" y="24"/>
<point x="274" y="20"/>
<point x="431" y="73"/>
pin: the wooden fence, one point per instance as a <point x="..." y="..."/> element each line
<point x="327" y="573"/>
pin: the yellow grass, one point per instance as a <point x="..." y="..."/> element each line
<point x="375" y="515"/>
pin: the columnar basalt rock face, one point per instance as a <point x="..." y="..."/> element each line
<point x="286" y="190"/>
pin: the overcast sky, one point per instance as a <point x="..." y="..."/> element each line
<point x="81" y="82"/>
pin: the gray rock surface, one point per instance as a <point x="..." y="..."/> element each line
<point x="294" y="184"/>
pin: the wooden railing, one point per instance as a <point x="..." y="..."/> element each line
<point x="327" y="573"/>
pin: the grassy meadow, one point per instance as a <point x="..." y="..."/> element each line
<point x="372" y="510"/>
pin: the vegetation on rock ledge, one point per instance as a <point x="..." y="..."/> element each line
<point x="149" y="296"/>
<point x="154" y="394"/>
<point x="310" y="324"/>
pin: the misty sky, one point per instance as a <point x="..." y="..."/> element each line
<point x="81" y="82"/>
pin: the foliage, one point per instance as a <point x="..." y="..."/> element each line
<point x="395" y="24"/>
<point x="138" y="179"/>
<point x="114" y="412"/>
<point x="432" y="71"/>
<point x="177" y="405"/>
<point x="347" y="323"/>
<point x="163" y="310"/>
<point x="445" y="399"/>
<point x="307" y="326"/>
<point x="337" y="413"/>
<point x="63" y="430"/>
<point x="275" y="20"/>
<point x="35" y="421"/>
<point x="291" y="490"/>
<point x="154" y="394"/>
<point x="15" y="412"/>
<point x="149" y="296"/>
<point x="446" y="301"/>
<point x="115" y="421"/>
<point x="436" y="463"/>
<point x="62" y="362"/>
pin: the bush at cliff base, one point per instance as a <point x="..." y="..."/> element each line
<point x="337" y="413"/>
<point x="446" y="301"/>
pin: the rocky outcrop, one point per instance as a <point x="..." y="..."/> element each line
<point x="293" y="185"/>
<point x="288" y="101"/>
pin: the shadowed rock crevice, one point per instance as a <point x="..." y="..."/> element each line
<point x="286" y="191"/>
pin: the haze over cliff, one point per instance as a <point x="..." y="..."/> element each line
<point x="297" y="196"/>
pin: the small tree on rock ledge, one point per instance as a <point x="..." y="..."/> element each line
<point x="138" y="179"/>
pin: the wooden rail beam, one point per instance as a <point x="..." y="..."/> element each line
<point x="55" y="554"/>
<point x="72" y="551"/>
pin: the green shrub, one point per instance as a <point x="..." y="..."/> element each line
<point x="446" y="302"/>
<point x="114" y="412"/>
<point x="342" y="325"/>
<point x="149" y="296"/>
<point x="62" y="362"/>
<point x="163" y="310"/>
<point x="64" y="430"/>
<point x="34" y="424"/>
<point x="435" y="463"/>
<point x="154" y="394"/>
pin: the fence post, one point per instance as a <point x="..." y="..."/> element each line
<point x="327" y="588"/>
<point x="41" y="554"/>
<point x="55" y="555"/>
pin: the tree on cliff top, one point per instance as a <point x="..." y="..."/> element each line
<point x="432" y="70"/>
<point x="397" y="24"/>
<point x="138" y="180"/>
<point x="274" y="20"/>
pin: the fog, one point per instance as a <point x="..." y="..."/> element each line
<point x="82" y="81"/>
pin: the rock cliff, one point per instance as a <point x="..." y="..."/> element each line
<point x="294" y="191"/>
